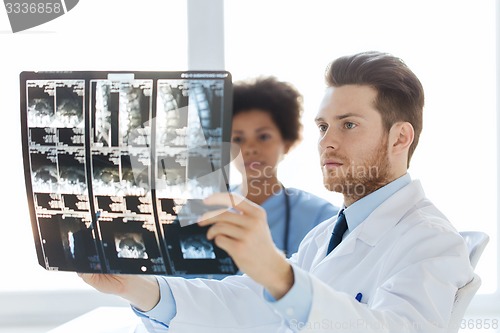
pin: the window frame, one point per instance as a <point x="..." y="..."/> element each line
<point x="50" y="308"/>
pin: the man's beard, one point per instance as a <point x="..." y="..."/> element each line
<point x="357" y="181"/>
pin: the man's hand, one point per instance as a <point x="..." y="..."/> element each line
<point x="141" y="291"/>
<point x="243" y="232"/>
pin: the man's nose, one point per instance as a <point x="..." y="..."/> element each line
<point x="328" y="140"/>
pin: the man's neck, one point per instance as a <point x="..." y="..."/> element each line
<point x="353" y="196"/>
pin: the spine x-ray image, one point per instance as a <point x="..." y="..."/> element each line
<point x="117" y="166"/>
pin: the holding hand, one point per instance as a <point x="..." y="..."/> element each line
<point x="141" y="291"/>
<point x="243" y="232"/>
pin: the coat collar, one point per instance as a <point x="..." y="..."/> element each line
<point x="389" y="213"/>
<point x="377" y="224"/>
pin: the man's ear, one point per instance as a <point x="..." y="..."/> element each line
<point x="401" y="137"/>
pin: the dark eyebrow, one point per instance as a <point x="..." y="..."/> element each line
<point x="260" y="129"/>
<point x="347" y="115"/>
<point x="265" y="128"/>
<point x="340" y="117"/>
<point x="318" y="119"/>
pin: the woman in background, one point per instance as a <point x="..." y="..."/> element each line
<point x="266" y="126"/>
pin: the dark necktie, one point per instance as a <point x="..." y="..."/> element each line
<point x="338" y="231"/>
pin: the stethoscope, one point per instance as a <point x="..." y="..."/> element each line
<point x="287" y="221"/>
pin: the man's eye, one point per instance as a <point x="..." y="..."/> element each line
<point x="349" y="125"/>
<point x="322" y="128"/>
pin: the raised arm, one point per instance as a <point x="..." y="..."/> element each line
<point x="142" y="291"/>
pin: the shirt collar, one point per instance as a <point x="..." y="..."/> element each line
<point x="359" y="211"/>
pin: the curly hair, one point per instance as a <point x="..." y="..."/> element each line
<point x="281" y="100"/>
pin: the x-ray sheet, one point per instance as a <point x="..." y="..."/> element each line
<point x="117" y="166"/>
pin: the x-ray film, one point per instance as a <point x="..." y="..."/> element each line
<point x="117" y="166"/>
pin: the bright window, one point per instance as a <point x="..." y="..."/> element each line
<point x="95" y="35"/>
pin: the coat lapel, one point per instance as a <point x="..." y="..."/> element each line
<point x="372" y="229"/>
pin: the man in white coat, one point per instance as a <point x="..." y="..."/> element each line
<point x="400" y="262"/>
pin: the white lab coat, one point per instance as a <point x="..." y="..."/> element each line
<point x="405" y="259"/>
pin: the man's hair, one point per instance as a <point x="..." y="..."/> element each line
<point x="400" y="95"/>
<point x="281" y="100"/>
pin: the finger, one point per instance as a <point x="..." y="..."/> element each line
<point x="224" y="199"/>
<point x="211" y="214"/>
<point x="224" y="216"/>
<point x="236" y="201"/>
<point x="225" y="229"/>
<point x="226" y="243"/>
<point x="85" y="276"/>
